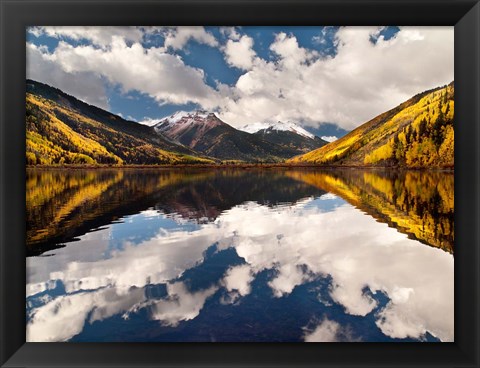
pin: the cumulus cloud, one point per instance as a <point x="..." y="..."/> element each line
<point x="177" y="37"/>
<point x="329" y="331"/>
<point x="85" y="85"/>
<point x="289" y="276"/>
<point x="161" y="75"/>
<point x="359" y="81"/>
<point x="230" y="32"/>
<point x="240" y="53"/>
<point x="99" y="35"/>
<point x="238" y="279"/>
<point x="362" y="80"/>
<point x="290" y="53"/>
<point x="326" y="331"/>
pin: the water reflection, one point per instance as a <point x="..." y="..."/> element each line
<point x="64" y="204"/>
<point x="246" y="256"/>
<point x="417" y="203"/>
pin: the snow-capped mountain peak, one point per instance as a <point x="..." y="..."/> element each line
<point x="182" y="123"/>
<point x="149" y="122"/>
<point x="197" y="116"/>
<point x="174" y="118"/>
<point x="278" y="126"/>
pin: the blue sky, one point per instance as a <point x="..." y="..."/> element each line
<point x="342" y="76"/>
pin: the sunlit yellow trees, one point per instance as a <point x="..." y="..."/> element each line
<point x="417" y="133"/>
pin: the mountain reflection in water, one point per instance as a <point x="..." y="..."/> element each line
<point x="239" y="255"/>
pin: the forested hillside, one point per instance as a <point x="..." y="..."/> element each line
<point x="63" y="130"/>
<point x="417" y="133"/>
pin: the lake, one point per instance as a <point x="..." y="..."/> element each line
<point x="240" y="255"/>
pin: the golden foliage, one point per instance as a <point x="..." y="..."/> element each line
<point x="59" y="201"/>
<point x="58" y="135"/>
<point x="418" y="133"/>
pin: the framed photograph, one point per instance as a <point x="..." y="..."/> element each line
<point x="258" y="184"/>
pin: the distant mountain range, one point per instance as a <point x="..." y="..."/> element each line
<point x="64" y="130"/>
<point x="417" y="133"/>
<point x="286" y="134"/>
<point x="279" y="126"/>
<point x="206" y="133"/>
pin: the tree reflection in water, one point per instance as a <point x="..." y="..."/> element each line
<point x="239" y="255"/>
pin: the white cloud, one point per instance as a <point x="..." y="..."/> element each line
<point x="326" y="331"/>
<point x="418" y="279"/>
<point x="163" y="76"/>
<point x="240" y="53"/>
<point x="84" y="85"/>
<point x="360" y="82"/>
<point x="329" y="331"/>
<point x="181" y="305"/>
<point x="329" y="138"/>
<point x="238" y="279"/>
<point x="392" y="322"/>
<point x="289" y="276"/>
<point x="328" y="197"/>
<point x="99" y="35"/>
<point x="178" y="37"/>
<point x="321" y="38"/>
<point x="290" y="53"/>
<point x="230" y="32"/>
<point x="65" y="316"/>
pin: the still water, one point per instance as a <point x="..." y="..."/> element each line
<point x="239" y="255"/>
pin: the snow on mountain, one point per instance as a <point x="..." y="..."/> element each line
<point x="196" y="122"/>
<point x="205" y="132"/>
<point x="149" y="122"/>
<point x="279" y="126"/>
<point x="184" y="116"/>
<point x="172" y="119"/>
<point x="198" y="117"/>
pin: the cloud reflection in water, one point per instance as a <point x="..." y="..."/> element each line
<point x="297" y="242"/>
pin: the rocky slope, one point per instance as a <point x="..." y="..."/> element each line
<point x="206" y="133"/>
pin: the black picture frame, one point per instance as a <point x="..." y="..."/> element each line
<point x="17" y="14"/>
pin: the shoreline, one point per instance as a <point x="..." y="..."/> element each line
<point x="235" y="166"/>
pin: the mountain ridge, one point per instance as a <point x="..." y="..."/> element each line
<point x="288" y="135"/>
<point x="205" y="132"/>
<point x="64" y="130"/>
<point x="418" y="133"/>
<point x="278" y="126"/>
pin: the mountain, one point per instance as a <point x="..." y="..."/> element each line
<point x="417" y="133"/>
<point x="205" y="132"/>
<point x="63" y="130"/>
<point x="279" y="126"/>
<point x="288" y="135"/>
